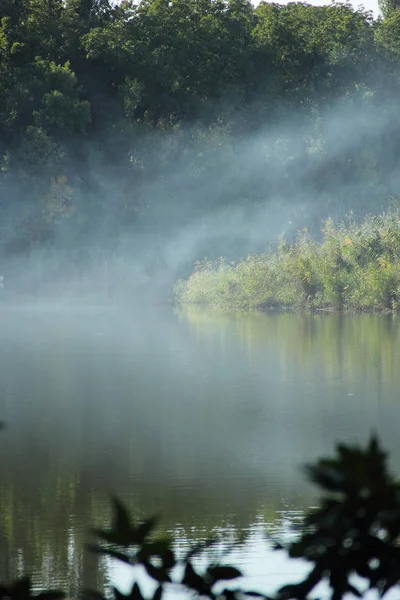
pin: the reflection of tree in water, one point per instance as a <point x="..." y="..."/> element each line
<point x="322" y="377"/>
<point x="51" y="495"/>
<point x="367" y="345"/>
<point x="43" y="522"/>
<point x="143" y="411"/>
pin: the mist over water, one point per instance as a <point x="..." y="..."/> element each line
<point x="204" y="418"/>
<point x="229" y="195"/>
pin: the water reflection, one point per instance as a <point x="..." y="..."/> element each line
<point x="203" y="417"/>
<point x="329" y="376"/>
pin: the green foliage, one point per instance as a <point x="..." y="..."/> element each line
<point x="129" y="93"/>
<point x="388" y="7"/>
<point x="357" y="527"/>
<point x="354" y="266"/>
<point x="388" y="36"/>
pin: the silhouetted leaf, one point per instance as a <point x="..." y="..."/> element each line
<point x="326" y="477"/>
<point x="122" y="532"/>
<point x="110" y="552"/>
<point x="168" y="558"/>
<point x="51" y="595"/>
<point x="288" y="592"/>
<point x="230" y="594"/>
<point x="121" y="523"/>
<point x="21" y="589"/>
<point x="194" y="581"/>
<point x="158" y="573"/>
<point x="158" y="593"/>
<point x="353" y="590"/>
<point x="277" y="546"/>
<point x="118" y="595"/>
<point x="390" y="582"/>
<point x="199" y="548"/>
<point x="159" y="548"/>
<point x="218" y="573"/>
<point x="110" y="536"/>
<point x="142" y="531"/>
<point x="136" y="594"/>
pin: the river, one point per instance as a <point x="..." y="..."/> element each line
<point x="205" y="418"/>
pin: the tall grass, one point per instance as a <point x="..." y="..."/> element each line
<point x="355" y="266"/>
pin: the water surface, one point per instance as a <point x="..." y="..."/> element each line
<point x="203" y="417"/>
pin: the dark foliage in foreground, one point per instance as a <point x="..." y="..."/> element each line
<point x="355" y="531"/>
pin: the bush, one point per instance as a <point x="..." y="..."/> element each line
<point x="354" y="267"/>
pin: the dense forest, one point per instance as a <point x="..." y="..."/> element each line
<point x="167" y="130"/>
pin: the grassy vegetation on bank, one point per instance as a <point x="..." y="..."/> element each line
<point x="354" y="267"/>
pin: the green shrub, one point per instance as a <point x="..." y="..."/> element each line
<point x="354" y="267"/>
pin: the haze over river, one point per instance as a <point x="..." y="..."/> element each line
<point x="203" y="417"/>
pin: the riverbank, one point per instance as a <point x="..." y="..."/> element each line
<point x="353" y="267"/>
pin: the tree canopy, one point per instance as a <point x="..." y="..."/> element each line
<point x="119" y="118"/>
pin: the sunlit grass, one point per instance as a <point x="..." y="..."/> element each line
<point x="356" y="266"/>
